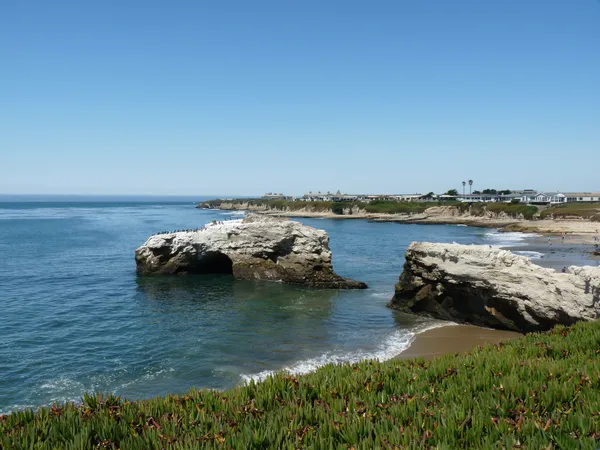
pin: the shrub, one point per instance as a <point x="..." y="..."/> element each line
<point x="513" y="210"/>
<point x="338" y="208"/>
<point x="584" y="211"/>
<point x="395" y="207"/>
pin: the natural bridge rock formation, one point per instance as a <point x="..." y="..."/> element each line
<point x="496" y="288"/>
<point x="255" y="248"/>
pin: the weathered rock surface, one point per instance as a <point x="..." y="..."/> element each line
<point x="496" y="288"/>
<point x="255" y="248"/>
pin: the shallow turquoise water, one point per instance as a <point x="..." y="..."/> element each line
<point x="74" y="317"/>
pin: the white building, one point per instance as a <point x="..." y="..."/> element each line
<point x="494" y="198"/>
<point x="551" y="198"/>
<point x="583" y="197"/>
<point x="525" y="196"/>
<point x="274" y="196"/>
<point x="528" y="197"/>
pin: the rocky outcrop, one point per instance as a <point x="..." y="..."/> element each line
<point x="496" y="288"/>
<point x="255" y="248"/>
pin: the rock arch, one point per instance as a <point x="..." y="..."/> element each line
<point x="212" y="262"/>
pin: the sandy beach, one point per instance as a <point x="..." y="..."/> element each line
<point x="557" y="253"/>
<point x="451" y="339"/>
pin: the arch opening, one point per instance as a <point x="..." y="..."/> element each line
<point x="213" y="262"/>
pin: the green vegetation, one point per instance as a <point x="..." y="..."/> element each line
<point x="275" y="204"/>
<point x="585" y="211"/>
<point x="338" y="208"/>
<point x="513" y="209"/>
<point x="452" y="192"/>
<point x="294" y="206"/>
<point x="393" y="207"/>
<point x="541" y="391"/>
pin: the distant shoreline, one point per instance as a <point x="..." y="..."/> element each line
<point x="577" y="248"/>
<point x="581" y="231"/>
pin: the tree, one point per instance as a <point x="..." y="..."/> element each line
<point x="476" y="192"/>
<point x="464" y="183"/>
<point x="470" y="185"/>
<point x="430" y="195"/>
<point x="338" y="208"/>
<point x="452" y="192"/>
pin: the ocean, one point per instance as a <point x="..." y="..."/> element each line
<point x="75" y="318"/>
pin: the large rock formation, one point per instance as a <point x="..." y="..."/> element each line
<point x="496" y="288"/>
<point x="255" y="248"/>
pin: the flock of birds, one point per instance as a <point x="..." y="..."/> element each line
<point x="192" y="230"/>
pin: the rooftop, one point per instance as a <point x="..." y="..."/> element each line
<point x="582" y="194"/>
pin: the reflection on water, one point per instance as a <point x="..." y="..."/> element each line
<point x="241" y="326"/>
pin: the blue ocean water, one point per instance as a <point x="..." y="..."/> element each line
<point x="75" y="318"/>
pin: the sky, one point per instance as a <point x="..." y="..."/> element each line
<point x="241" y="98"/>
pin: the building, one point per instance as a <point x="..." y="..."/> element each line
<point x="492" y="198"/>
<point x="334" y="197"/>
<point x="524" y="196"/>
<point x="528" y="196"/>
<point x="528" y="192"/>
<point x="418" y="197"/>
<point x="339" y="197"/>
<point x="532" y="197"/>
<point x="274" y="196"/>
<point x="588" y="197"/>
<point x="548" y="198"/>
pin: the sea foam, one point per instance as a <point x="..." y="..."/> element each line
<point x="529" y="254"/>
<point x="391" y="346"/>
<point x="501" y="240"/>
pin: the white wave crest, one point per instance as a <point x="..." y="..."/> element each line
<point x="387" y="295"/>
<point x="500" y="240"/>
<point x="62" y="384"/>
<point x="391" y="346"/>
<point x="530" y="254"/>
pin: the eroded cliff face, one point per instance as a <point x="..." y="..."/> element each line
<point x="495" y="288"/>
<point x="284" y="210"/>
<point x="255" y="248"/>
<point x="475" y="215"/>
<point x="469" y="213"/>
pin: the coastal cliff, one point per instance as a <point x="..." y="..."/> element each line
<point x="382" y="210"/>
<point x="255" y="248"/>
<point x="494" y="288"/>
<point x="577" y="219"/>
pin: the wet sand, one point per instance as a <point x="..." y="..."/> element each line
<point x="453" y="339"/>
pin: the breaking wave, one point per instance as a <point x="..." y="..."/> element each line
<point x="501" y="240"/>
<point x="529" y="254"/>
<point x="391" y="346"/>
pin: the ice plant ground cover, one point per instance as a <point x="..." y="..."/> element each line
<point x="539" y="391"/>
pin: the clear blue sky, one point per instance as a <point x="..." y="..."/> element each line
<point x="243" y="97"/>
